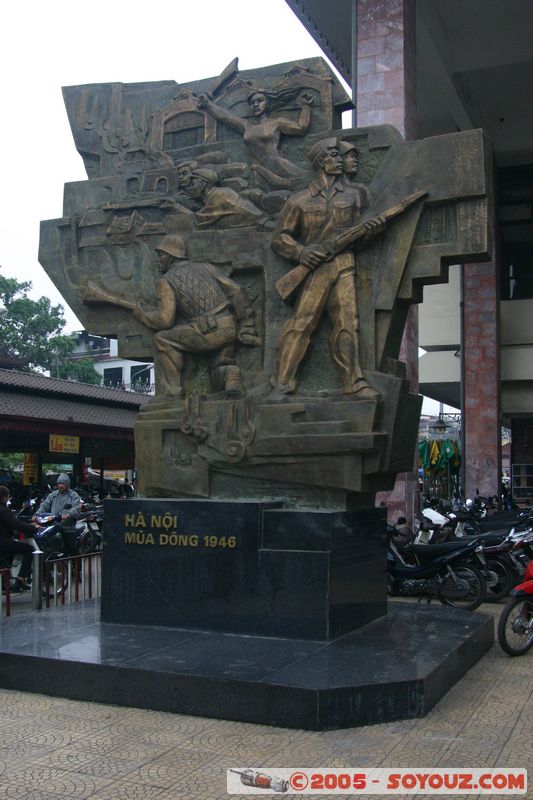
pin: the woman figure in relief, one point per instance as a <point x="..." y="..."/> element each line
<point x="262" y="134"/>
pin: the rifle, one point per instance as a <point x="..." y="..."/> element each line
<point x="287" y="284"/>
<point x="93" y="295"/>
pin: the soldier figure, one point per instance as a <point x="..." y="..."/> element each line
<point x="214" y="313"/>
<point x="326" y="208"/>
<point x="220" y="206"/>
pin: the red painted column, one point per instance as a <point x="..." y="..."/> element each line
<point x="386" y="94"/>
<point x="482" y="415"/>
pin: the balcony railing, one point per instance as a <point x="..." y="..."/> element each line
<point x="136" y="386"/>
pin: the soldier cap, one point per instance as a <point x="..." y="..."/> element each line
<point x="208" y="175"/>
<point x="187" y="165"/>
<point x="173" y="245"/>
<point x="347" y="147"/>
<point x="321" y="147"/>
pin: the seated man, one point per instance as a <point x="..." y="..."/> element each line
<point x="66" y="502"/>
<point x="10" y="547"/>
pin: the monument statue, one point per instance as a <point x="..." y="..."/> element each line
<point x="265" y="259"/>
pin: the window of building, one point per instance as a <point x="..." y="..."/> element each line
<point x="184" y="129"/>
<point x="517" y="270"/>
<point x="161" y="185"/>
<point x="515" y="217"/>
<point x="113" y="377"/>
<point x="140" y="377"/>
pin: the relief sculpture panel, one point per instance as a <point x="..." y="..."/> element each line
<point x="265" y="259"/>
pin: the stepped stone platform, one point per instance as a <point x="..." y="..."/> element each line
<point x="396" y="667"/>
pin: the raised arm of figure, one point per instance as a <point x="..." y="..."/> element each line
<point x="301" y="126"/>
<point x="221" y="114"/>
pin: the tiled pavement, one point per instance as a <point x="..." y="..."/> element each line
<point x="53" y="749"/>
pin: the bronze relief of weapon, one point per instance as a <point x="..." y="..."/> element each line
<point x="94" y="295"/>
<point x="289" y="282"/>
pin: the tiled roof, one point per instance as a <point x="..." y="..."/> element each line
<point x="23" y="406"/>
<point x="29" y="382"/>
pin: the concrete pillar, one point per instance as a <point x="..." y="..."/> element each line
<point x="482" y="414"/>
<point x="386" y="94"/>
<point x="386" y="64"/>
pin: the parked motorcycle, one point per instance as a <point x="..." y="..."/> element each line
<point x="443" y="571"/>
<point x="464" y="522"/>
<point x="507" y="558"/>
<point x="88" y="530"/>
<point x="515" y="626"/>
<point x="507" y="550"/>
<point x="50" y="540"/>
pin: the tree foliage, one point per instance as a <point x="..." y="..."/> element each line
<point x="11" y="462"/>
<point x="81" y="370"/>
<point x="32" y="330"/>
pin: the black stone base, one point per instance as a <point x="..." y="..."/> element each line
<point x="397" y="667"/>
<point x="243" y="567"/>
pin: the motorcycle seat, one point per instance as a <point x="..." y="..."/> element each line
<point x="430" y="550"/>
<point x="493" y="537"/>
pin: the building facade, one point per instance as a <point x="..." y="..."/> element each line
<point x="117" y="373"/>
<point x="438" y="66"/>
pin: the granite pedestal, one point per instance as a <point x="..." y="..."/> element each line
<point x="248" y="612"/>
<point x="397" y="667"/>
<point x="243" y="567"/>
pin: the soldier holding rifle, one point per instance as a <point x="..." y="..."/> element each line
<point x="317" y="229"/>
<point x="327" y="207"/>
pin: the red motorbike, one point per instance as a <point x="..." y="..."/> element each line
<point x="515" y="628"/>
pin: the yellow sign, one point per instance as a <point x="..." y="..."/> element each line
<point x="64" y="444"/>
<point x="30" y="469"/>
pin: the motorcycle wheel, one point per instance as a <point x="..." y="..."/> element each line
<point x="476" y="592"/>
<point x="504" y="580"/>
<point x="515" y="627"/>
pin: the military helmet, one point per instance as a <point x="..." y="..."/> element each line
<point x="173" y="245"/>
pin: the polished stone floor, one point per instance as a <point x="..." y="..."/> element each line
<point x="54" y="749"/>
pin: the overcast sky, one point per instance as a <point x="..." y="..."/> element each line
<point x="47" y="45"/>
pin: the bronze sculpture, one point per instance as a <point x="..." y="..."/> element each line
<point x="220" y="205"/>
<point x="214" y="313"/>
<point x="243" y="188"/>
<point x="327" y="207"/>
